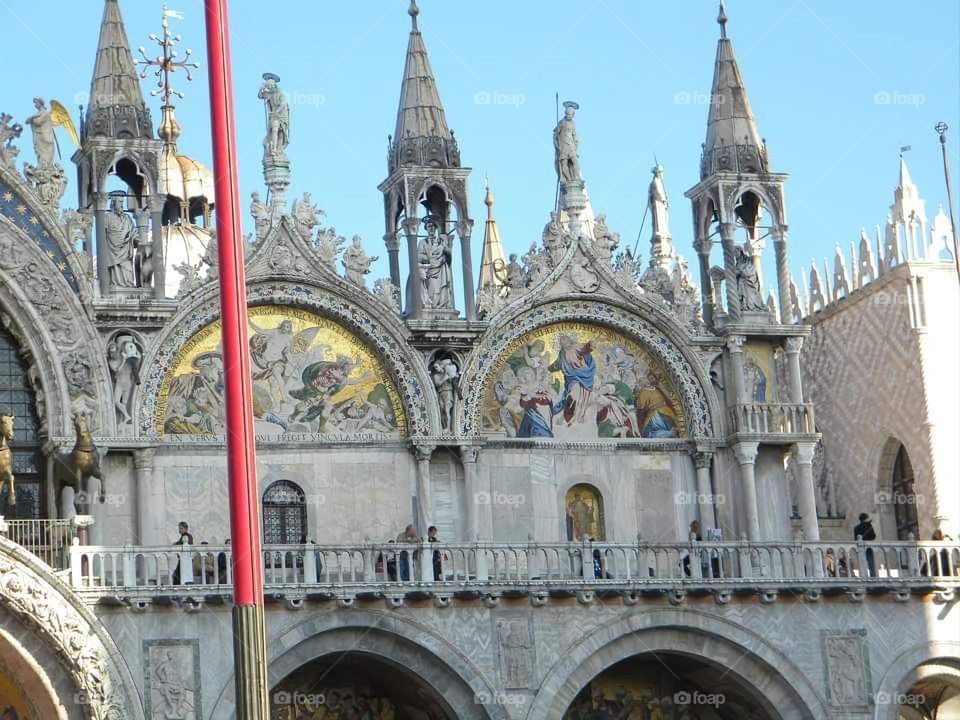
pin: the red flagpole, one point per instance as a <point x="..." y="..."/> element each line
<point x="249" y="646"/>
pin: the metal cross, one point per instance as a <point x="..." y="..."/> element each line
<point x="166" y="64"/>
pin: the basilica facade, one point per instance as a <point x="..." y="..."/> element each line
<point x="646" y="477"/>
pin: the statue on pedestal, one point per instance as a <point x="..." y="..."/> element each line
<point x="278" y="118"/>
<point x="47" y="175"/>
<point x="306" y="216"/>
<point x="565" y="144"/>
<point x="748" y="285"/>
<point x="261" y="216"/>
<point x="356" y="262"/>
<point x="121" y="236"/>
<point x="434" y="257"/>
<point x="553" y="239"/>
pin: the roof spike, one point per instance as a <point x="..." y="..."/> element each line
<point x="722" y="19"/>
<point x="413" y="11"/>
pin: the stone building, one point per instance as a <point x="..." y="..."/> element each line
<point x="563" y="430"/>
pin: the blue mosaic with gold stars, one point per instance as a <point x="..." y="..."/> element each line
<point x="13" y="206"/>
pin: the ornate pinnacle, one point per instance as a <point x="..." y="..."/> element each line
<point x="722" y="19"/>
<point x="413" y="11"/>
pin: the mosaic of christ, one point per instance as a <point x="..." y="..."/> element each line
<point x="580" y="382"/>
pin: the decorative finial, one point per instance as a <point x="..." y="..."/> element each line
<point x="488" y="198"/>
<point x="413" y="11"/>
<point x="722" y="19"/>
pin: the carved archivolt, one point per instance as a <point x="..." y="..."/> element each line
<point x="70" y="630"/>
<point x="406" y="367"/>
<point x="682" y="373"/>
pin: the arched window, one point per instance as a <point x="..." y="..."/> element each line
<point x="903" y="498"/>
<point x="16" y="398"/>
<point x="584" y="508"/>
<point x="284" y="514"/>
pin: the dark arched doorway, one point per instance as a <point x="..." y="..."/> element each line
<point x="896" y="491"/>
<point x="356" y="685"/>
<point x="668" y="686"/>
<point x="284" y="514"/>
<point x="17" y="398"/>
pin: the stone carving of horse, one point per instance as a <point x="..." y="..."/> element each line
<point x="6" y="458"/>
<point x="83" y="462"/>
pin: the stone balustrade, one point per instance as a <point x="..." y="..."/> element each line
<point x="493" y="569"/>
<point x="49" y="540"/>
<point x="772" y="418"/>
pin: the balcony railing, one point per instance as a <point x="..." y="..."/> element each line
<point x="492" y="568"/>
<point x="49" y="540"/>
<point x="772" y="418"/>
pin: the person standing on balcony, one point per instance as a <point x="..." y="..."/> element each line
<point x="695" y="535"/>
<point x="434" y="536"/>
<point x="407" y="537"/>
<point x="864" y="532"/>
<point x="185" y="538"/>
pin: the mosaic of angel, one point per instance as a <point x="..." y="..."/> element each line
<point x="576" y="382"/>
<point x="308" y="374"/>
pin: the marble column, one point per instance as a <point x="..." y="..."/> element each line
<point x="727" y="231"/>
<point x="735" y="354"/>
<point x="414" y="302"/>
<point x="806" y="493"/>
<point x="465" y="231"/>
<point x="705" y="499"/>
<point x="424" y="506"/>
<point x="746" y="454"/>
<point x="783" y="274"/>
<point x="479" y="513"/>
<point x="792" y="347"/>
<point x="147" y="510"/>
<point x="703" y="246"/>
<point x="393" y="253"/>
<point x="103" y="252"/>
<point x="159" y="261"/>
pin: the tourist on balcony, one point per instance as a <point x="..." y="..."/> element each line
<point x="864" y="532"/>
<point x="407" y="537"/>
<point x="433" y="536"/>
<point x="695" y="535"/>
<point x="222" y="564"/>
<point x="185" y="538"/>
<point x="940" y="561"/>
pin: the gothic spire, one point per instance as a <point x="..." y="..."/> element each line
<point x="116" y="107"/>
<point x="421" y="136"/>
<point x="492" y="262"/>
<point x="733" y="143"/>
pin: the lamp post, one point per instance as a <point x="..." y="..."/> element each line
<point x="249" y="645"/>
<point x="941" y="128"/>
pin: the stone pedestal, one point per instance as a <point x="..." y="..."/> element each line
<point x="573" y="200"/>
<point x="276" y="175"/>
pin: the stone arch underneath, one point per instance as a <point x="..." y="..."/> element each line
<point x="769" y="676"/>
<point x="390" y="638"/>
<point x="20" y="672"/>
<point x="936" y="658"/>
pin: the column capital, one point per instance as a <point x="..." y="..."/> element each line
<point x="779" y="233"/>
<point x="143" y="459"/>
<point x="703" y="245"/>
<point x="465" y="228"/>
<point x="391" y="241"/>
<point x="746" y="452"/>
<point x="424" y="452"/>
<point x="793" y="344"/>
<point x="82" y="521"/>
<point x="469" y="453"/>
<point x="735" y="343"/>
<point x="410" y="226"/>
<point x="803" y="452"/>
<point x="727" y="230"/>
<point x="702" y="459"/>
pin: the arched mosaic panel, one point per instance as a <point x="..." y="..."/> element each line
<point x="679" y="386"/>
<point x="580" y="382"/>
<point x="310" y="375"/>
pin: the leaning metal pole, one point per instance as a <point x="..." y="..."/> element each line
<point x="941" y="129"/>
<point x="249" y="646"/>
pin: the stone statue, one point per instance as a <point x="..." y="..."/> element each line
<point x="44" y="142"/>
<point x="121" y="236"/>
<point x="748" y="286"/>
<point x="604" y="241"/>
<point x="8" y="133"/>
<point x="6" y="458"/>
<point x="515" y="652"/>
<point x="891" y="250"/>
<point x="444" y="374"/>
<point x="328" y="247"/>
<point x="516" y="277"/>
<point x="434" y="257"/>
<point x="278" y="117"/>
<point x="306" y="216"/>
<point x="565" y="145"/>
<point x="627" y="268"/>
<point x="261" y="216"/>
<point x="553" y="239"/>
<point x="537" y="263"/>
<point x="123" y="358"/>
<point x="211" y="255"/>
<point x="356" y="263"/>
<point x="189" y="277"/>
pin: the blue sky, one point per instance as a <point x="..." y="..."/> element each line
<point x="836" y="88"/>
